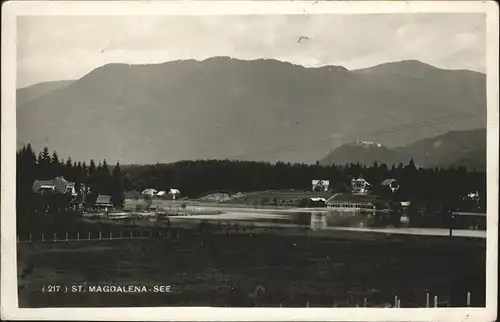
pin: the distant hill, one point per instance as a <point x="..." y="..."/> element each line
<point x="362" y="152"/>
<point x="466" y="148"/>
<point x="255" y="110"/>
<point x="30" y="93"/>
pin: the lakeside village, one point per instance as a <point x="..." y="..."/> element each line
<point x="159" y="205"/>
<point x="424" y="197"/>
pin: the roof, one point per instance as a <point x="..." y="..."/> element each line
<point x="161" y="193"/>
<point x="103" y="200"/>
<point x="350" y="198"/>
<point x="174" y="191"/>
<point x="47" y="186"/>
<point x="59" y="184"/>
<point x="317" y="199"/>
<point x="61" y="179"/>
<point x="149" y="191"/>
<point x="360" y="180"/>
<point x="388" y="182"/>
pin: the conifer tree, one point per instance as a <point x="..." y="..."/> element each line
<point x="117" y="193"/>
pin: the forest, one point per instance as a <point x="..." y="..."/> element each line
<point x="431" y="188"/>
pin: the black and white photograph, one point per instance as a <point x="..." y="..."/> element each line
<point x="259" y="156"/>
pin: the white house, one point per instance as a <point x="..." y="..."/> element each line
<point x="175" y="193"/>
<point x="149" y="192"/>
<point x="320" y="185"/>
<point x="360" y="186"/>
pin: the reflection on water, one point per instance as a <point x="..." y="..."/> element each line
<point x="335" y="218"/>
<point x="316" y="220"/>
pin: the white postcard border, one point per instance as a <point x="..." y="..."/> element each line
<point x="11" y="10"/>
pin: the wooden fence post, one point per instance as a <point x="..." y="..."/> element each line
<point x="395" y="301"/>
<point x="307" y="304"/>
<point x="66" y="236"/>
<point x="468" y="298"/>
<point x="110" y="235"/>
<point x="89" y="236"/>
<point x="435" y="301"/>
<point x="100" y="236"/>
<point x="78" y="236"/>
<point x="399" y="303"/>
<point x="365" y="302"/>
<point x="42" y="237"/>
<point x="30" y="238"/>
<point x="427" y="300"/>
<point x="55" y="235"/>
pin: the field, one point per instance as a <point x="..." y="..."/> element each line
<point x="269" y="198"/>
<point x="248" y="269"/>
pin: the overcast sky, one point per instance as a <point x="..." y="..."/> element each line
<point x="58" y="48"/>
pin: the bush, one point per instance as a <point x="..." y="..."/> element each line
<point x="304" y="202"/>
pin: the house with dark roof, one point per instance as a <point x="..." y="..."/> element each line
<point x="56" y="185"/>
<point x="390" y="184"/>
<point x="103" y="202"/>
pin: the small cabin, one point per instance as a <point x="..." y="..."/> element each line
<point x="103" y="202"/>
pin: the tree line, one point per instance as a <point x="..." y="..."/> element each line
<point x="431" y="188"/>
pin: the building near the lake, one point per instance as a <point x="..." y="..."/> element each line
<point x="175" y="193"/>
<point x="170" y="194"/>
<point x="320" y="185"/>
<point x="103" y="202"/>
<point x="149" y="192"/>
<point x="360" y="186"/>
<point x="351" y="202"/>
<point x="390" y="184"/>
<point x="57" y="185"/>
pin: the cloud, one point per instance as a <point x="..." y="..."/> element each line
<point x="54" y="48"/>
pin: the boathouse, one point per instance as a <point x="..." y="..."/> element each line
<point x="353" y="202"/>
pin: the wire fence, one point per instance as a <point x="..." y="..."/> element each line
<point x="97" y="236"/>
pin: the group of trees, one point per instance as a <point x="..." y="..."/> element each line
<point x="99" y="179"/>
<point x="430" y="187"/>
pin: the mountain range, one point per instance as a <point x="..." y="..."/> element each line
<point x="263" y="109"/>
